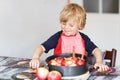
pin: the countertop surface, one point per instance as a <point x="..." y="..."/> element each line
<point x="10" y="66"/>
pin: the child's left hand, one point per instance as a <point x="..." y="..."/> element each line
<point x="101" y="67"/>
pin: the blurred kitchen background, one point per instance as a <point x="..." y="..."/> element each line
<point x="24" y="24"/>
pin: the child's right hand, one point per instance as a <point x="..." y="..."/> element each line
<point x="34" y="63"/>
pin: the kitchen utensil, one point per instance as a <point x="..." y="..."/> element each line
<point x="68" y="70"/>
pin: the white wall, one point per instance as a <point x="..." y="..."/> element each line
<point x="104" y="30"/>
<point x="26" y="23"/>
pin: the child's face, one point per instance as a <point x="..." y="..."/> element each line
<point x="69" y="27"/>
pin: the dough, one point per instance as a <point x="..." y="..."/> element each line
<point x="22" y="62"/>
<point x="32" y="71"/>
<point x="23" y="75"/>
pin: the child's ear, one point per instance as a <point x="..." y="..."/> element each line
<point x="81" y="25"/>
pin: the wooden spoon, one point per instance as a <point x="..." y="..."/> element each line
<point x="82" y="57"/>
<point x="73" y="52"/>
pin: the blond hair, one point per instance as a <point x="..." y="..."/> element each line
<point x="74" y="12"/>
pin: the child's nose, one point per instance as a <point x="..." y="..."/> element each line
<point x="67" y="26"/>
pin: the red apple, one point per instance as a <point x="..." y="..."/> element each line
<point x="80" y="61"/>
<point x="42" y="73"/>
<point x="54" y="75"/>
<point x="59" y="59"/>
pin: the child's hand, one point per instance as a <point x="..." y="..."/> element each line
<point x="34" y="63"/>
<point x="101" y="67"/>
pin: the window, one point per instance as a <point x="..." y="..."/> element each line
<point x="101" y="6"/>
<point x="110" y="6"/>
<point x="90" y="7"/>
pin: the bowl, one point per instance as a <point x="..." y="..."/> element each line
<point x="67" y="71"/>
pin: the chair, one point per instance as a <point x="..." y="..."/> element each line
<point x="109" y="58"/>
<point x="111" y="55"/>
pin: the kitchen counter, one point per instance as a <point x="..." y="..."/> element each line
<point x="9" y="67"/>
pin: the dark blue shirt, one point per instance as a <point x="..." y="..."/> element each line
<point x="51" y="43"/>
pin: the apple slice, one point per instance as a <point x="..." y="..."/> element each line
<point x="59" y="60"/>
